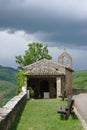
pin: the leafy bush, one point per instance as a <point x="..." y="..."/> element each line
<point x="20" y="81"/>
<point x="31" y="91"/>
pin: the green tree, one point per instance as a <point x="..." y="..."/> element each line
<point x="36" y="51"/>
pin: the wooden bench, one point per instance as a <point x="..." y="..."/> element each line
<point x="66" y="110"/>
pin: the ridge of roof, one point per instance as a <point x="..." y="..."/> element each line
<point x="45" y="67"/>
<point x="43" y="61"/>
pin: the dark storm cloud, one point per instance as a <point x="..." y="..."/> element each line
<point x="62" y="23"/>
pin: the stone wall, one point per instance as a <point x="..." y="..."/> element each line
<point x="78" y="91"/>
<point x="9" y="112"/>
<point x="68" y="85"/>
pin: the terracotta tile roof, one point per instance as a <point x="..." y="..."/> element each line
<point x="45" y="67"/>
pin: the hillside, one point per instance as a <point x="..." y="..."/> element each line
<point x="80" y="79"/>
<point x="8" y="74"/>
<point x="7" y="91"/>
<point x="7" y="84"/>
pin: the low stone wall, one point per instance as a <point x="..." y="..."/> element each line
<point x="78" y="91"/>
<point x="9" y="112"/>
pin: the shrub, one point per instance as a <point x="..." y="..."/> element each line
<point x="31" y="91"/>
<point x="20" y="81"/>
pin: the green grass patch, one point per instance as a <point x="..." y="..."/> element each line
<point x="42" y="115"/>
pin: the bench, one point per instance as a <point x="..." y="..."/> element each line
<point x="66" y="110"/>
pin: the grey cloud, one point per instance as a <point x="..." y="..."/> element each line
<point x="33" y="17"/>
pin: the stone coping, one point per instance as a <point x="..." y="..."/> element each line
<point x="9" y="111"/>
<point x="6" y="109"/>
<point x="84" y="124"/>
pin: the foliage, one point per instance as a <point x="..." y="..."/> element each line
<point x="31" y="92"/>
<point x="36" y="51"/>
<point x="80" y="79"/>
<point x="20" y="81"/>
<point x="41" y="115"/>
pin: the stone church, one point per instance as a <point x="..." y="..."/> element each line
<point x="49" y="79"/>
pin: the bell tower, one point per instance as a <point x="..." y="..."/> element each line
<point x="65" y="59"/>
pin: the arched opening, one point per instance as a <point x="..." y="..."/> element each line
<point x="44" y="87"/>
<point x="64" y="60"/>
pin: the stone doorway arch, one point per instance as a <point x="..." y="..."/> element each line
<point x="44" y="87"/>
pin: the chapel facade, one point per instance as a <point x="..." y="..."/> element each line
<point x="49" y="79"/>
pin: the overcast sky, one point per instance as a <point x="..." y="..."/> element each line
<point x="59" y="24"/>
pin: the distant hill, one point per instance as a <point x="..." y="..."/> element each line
<point x="7" y="84"/>
<point x="80" y="79"/>
<point x="8" y="74"/>
<point x="7" y="91"/>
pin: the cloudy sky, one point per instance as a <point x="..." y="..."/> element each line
<point x="59" y="24"/>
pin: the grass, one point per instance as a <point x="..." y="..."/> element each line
<point x="42" y="115"/>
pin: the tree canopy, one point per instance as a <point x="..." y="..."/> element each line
<point x="36" y="51"/>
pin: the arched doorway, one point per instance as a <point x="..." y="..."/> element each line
<point x="44" y="87"/>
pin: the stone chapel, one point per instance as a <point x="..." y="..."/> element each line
<point x="49" y="79"/>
